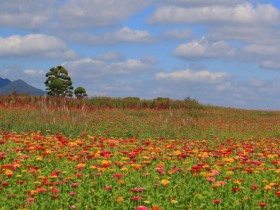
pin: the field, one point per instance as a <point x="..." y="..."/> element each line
<point x="128" y="154"/>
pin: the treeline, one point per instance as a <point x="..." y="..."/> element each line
<point x="26" y="101"/>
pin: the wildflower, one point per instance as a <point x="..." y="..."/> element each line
<point x="81" y="166"/>
<point x="137" y="189"/>
<point x="210" y="179"/>
<point x="277" y="193"/>
<point x="54" y="196"/>
<point x="121" y="181"/>
<point x="262" y="204"/>
<point x="156" y="208"/>
<point x="108" y="188"/>
<point x="117" y="176"/>
<point x="74" y="185"/>
<point x="119" y="199"/>
<point x="9" y="173"/>
<point x="217" y="201"/>
<point x="30" y="200"/>
<point x="72" y="193"/>
<point x="73" y="207"/>
<point x="79" y="175"/>
<point x="235" y="189"/>
<point x="267" y="187"/>
<point x="54" y="190"/>
<point x="41" y="190"/>
<point x="165" y="182"/>
<point x="220" y="183"/>
<point x="136" y="198"/>
<point x="141" y="208"/>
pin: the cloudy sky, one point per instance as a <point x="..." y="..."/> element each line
<point x="220" y="52"/>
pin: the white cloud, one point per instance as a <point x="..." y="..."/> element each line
<point x="33" y="72"/>
<point x="271" y="64"/>
<point x="257" y="33"/>
<point x="34" y="46"/>
<point x="240" y="14"/>
<point x="124" y="34"/>
<point x="28" y="14"/>
<point x="202" y="49"/>
<point x="97" y="13"/>
<point x="90" y="68"/>
<point x="110" y="56"/>
<point x="203" y="76"/>
<point x="201" y="2"/>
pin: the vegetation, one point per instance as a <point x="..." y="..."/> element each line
<point x="58" y="82"/>
<point x="109" y="153"/>
<point x="80" y="92"/>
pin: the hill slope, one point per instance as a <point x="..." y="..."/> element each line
<point x="4" y="82"/>
<point x="21" y="87"/>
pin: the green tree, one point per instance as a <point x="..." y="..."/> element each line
<point x="80" y="92"/>
<point x="58" y="83"/>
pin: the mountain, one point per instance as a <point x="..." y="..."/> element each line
<point x="4" y="82"/>
<point x="21" y="87"/>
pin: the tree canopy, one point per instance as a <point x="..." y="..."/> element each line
<point x="58" y="83"/>
<point x="80" y="92"/>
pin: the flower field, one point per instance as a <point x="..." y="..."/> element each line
<point x="52" y="171"/>
<point x="120" y="159"/>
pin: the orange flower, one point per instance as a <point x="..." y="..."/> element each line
<point x="9" y="173"/>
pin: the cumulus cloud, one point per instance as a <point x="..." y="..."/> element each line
<point x="202" y="49"/>
<point x="27" y="14"/>
<point x="93" y="68"/>
<point x="202" y="76"/>
<point x="34" y="46"/>
<point x="240" y="14"/>
<point x="96" y="13"/>
<point x="124" y="34"/>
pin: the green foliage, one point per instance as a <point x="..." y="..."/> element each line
<point x="58" y="83"/>
<point x="80" y="92"/>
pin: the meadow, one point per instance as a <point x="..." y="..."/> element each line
<point x="106" y="153"/>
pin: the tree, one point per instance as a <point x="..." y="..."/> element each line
<point x="80" y="92"/>
<point x="58" y="82"/>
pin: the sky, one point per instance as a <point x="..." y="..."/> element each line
<point x="219" y="52"/>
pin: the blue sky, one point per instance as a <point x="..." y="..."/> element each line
<point x="220" y="52"/>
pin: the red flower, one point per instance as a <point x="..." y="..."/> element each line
<point x="74" y="185"/>
<point x="217" y="201"/>
<point x="142" y="208"/>
<point x="156" y="208"/>
<point x="262" y="204"/>
<point x="117" y="176"/>
<point x="108" y="188"/>
<point x="54" y="190"/>
<point x="235" y="189"/>
<point x="277" y="193"/>
<point x="136" y="198"/>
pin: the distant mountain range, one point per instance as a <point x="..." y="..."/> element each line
<point x="18" y="86"/>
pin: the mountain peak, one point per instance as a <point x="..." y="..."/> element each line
<point x="4" y="82"/>
<point x="21" y="87"/>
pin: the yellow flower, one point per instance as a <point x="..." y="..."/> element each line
<point x="165" y="182"/>
<point x="119" y="199"/>
<point x="229" y="172"/>
<point x="174" y="201"/>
